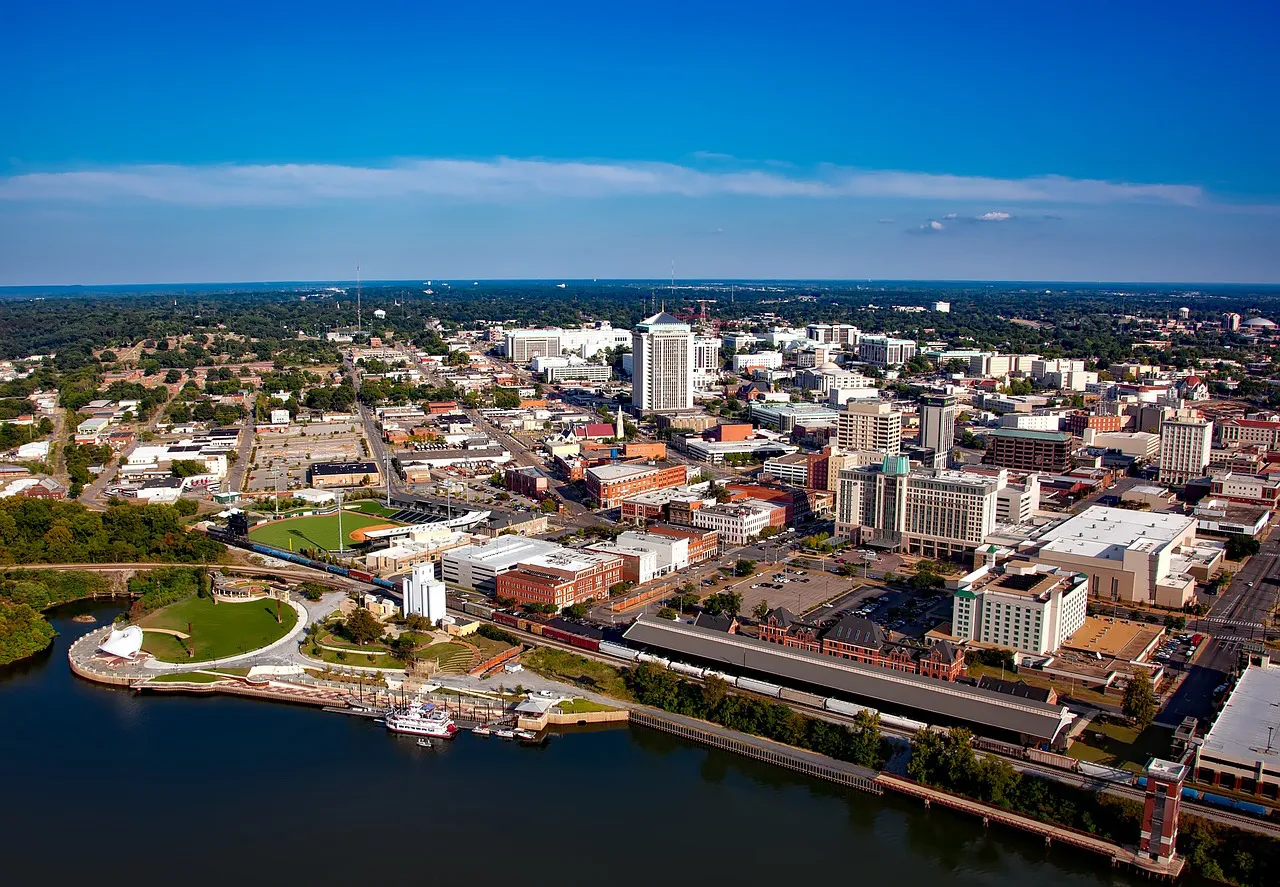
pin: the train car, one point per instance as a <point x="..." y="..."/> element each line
<point x="533" y="627"/>
<point x="902" y="723"/>
<point x="474" y="609"/>
<point x="840" y="707"/>
<point x="727" y="678"/>
<point x="618" y="651"/>
<point x="337" y="571"/>
<point x="361" y="575"/>
<point x="655" y="660"/>
<point x="582" y="642"/>
<point x="386" y="583"/>
<point x="1049" y="759"/>
<point x="691" y="670"/>
<point x="800" y="696"/>
<point x="508" y="619"/>
<point x="764" y="688"/>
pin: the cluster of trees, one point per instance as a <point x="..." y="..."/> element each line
<point x="711" y="701"/>
<point x="78" y="458"/>
<point x="12" y="435"/>
<point x="1240" y="547"/>
<point x="160" y="588"/>
<point x="948" y="761"/>
<point x="23" y="594"/>
<point x="493" y="633"/>
<point x="1219" y="853"/>
<point x="1140" y="705"/>
<point x="727" y="602"/>
<point x="35" y="531"/>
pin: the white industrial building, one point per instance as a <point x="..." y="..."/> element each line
<point x="424" y="593"/>
<point x="672" y="553"/>
<point x="476" y="567"/>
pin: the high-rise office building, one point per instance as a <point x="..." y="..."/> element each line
<point x="921" y="511"/>
<point x="706" y="361"/>
<point x="1185" y="442"/>
<point x="662" y="356"/>
<point x="938" y="424"/>
<point x="870" y="425"/>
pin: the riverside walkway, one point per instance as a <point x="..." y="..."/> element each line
<point x="1051" y="833"/>
<point x="759" y="749"/>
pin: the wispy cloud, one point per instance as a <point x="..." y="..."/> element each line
<point x="993" y="216"/>
<point x="507" y="178"/>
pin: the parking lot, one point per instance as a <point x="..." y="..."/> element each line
<point x="287" y="454"/>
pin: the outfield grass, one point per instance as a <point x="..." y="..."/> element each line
<point x="217" y="630"/>
<point x="319" y="531"/>
<point x="369" y="506"/>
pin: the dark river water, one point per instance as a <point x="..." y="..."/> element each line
<point x="98" y="786"/>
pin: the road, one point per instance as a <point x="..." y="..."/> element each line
<point x="91" y="495"/>
<point x="1240" y="615"/>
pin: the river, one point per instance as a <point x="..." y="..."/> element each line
<point x="104" y="787"/>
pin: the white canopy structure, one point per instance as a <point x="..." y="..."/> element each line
<point x="124" y="643"/>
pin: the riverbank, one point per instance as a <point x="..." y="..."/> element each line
<point x="25" y="595"/>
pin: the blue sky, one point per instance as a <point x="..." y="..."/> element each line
<point x="161" y="143"/>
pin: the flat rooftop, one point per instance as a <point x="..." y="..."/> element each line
<point x="1104" y="532"/>
<point x="1113" y="638"/>
<point x="504" y="552"/>
<point x="1248" y="729"/>
<point x="569" y="559"/>
<point x="737" y="653"/>
<point x="1030" y="581"/>
<point x="622" y="471"/>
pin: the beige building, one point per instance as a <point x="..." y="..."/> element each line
<point x="1131" y="556"/>
<point x="1184" y="449"/>
<point x="870" y="425"/>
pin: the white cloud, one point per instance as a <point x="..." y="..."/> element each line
<point x="950" y="216"/>
<point x="505" y="178"/>
<point x="993" y="217"/>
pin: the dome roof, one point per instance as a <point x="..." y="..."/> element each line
<point x="1259" y="321"/>
<point x="830" y="365"/>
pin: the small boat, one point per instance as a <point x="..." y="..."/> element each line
<point x="526" y="735"/>
<point x="482" y="730"/>
<point x="504" y="733"/>
<point x="424" y="742"/>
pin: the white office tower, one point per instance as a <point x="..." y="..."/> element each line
<point x="869" y="425"/>
<point x="424" y="593"/>
<point x="706" y="361"/>
<point x="662" y="365"/>
<point x="1185" y="442"/>
<point x="938" y="425"/>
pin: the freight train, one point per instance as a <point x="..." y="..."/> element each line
<point x="1248" y="808"/>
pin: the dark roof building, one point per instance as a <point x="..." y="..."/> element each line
<point x="1017" y="688"/>
<point x="939" y="702"/>
<point x="1026" y="450"/>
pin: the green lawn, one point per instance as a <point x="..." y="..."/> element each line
<point x="319" y="531"/>
<point x="185" y="677"/>
<point x="1120" y="745"/>
<point x="369" y="506"/>
<point x="217" y="630"/>
<point x="564" y="666"/>
<point x="581" y="706"/>
<point x="372" y="657"/>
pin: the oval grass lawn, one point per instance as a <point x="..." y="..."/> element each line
<point x="217" y="630"/>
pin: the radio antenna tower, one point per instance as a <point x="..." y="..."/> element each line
<point x="359" y="321"/>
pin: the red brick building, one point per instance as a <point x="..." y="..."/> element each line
<point x="527" y="481"/>
<point x="702" y="543"/>
<point x="561" y="579"/>
<point x="862" y="640"/>
<point x="1077" y="423"/>
<point x="610" y="484"/>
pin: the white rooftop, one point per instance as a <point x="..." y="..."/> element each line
<point x="620" y="471"/>
<point x="1107" y="532"/>
<point x="1248" y="729"/>
<point x="568" y="559"/>
<point x="504" y="552"/>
